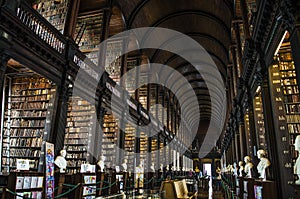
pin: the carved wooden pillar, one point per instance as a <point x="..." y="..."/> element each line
<point x="242" y="134"/>
<point x="262" y="74"/>
<point x="3" y="65"/>
<point x="239" y="47"/>
<point x="243" y="5"/>
<point x="251" y="123"/>
<point x="60" y="123"/>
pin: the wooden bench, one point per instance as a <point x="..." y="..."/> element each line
<point x="176" y="189"/>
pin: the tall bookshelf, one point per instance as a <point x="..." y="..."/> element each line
<point x="54" y="11"/>
<point x="28" y="100"/>
<point x="259" y="121"/>
<point x="131" y="78"/>
<point x="129" y="147"/>
<point x="114" y="50"/>
<point x="291" y="98"/>
<point x="109" y="139"/>
<point x="248" y="134"/>
<point x="79" y="132"/>
<point x="286" y="107"/>
<point x="154" y="150"/>
<point x="88" y="34"/>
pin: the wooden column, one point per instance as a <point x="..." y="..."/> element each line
<point x="239" y="47"/>
<point x="269" y="123"/>
<point x="3" y="65"/>
<point x="251" y="123"/>
<point x="242" y="134"/>
<point x="60" y="123"/>
<point x="71" y="18"/>
<point x="243" y="5"/>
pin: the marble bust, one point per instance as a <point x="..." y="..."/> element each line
<point x="297" y="164"/>
<point x="101" y="163"/>
<point x="241" y="169"/>
<point x="124" y="165"/>
<point x="263" y="164"/>
<point x="152" y="168"/>
<point x="248" y="166"/>
<point x="61" y="162"/>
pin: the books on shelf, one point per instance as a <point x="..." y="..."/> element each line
<point x="55" y="13"/>
<point x="80" y="121"/>
<point x="28" y="103"/>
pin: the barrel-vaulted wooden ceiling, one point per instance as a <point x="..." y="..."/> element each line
<point x="209" y="22"/>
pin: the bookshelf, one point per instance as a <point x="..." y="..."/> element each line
<point x="88" y="188"/>
<point x="114" y="50"/>
<point x="25" y="185"/>
<point x="285" y="101"/>
<point x="259" y="121"/>
<point x="248" y="134"/>
<point x="79" y="129"/>
<point x="143" y="147"/>
<point x="289" y="112"/>
<point x="55" y="12"/>
<point x="129" y="146"/>
<point x="88" y="34"/>
<point x="29" y="98"/>
<point x="109" y="139"/>
<point x="154" y="150"/>
<point x="131" y="78"/>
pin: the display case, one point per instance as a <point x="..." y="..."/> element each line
<point x="25" y="185"/>
<point x="88" y="186"/>
<point x="27" y="106"/>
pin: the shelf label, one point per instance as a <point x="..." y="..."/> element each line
<point x="131" y="104"/>
<point x="87" y="68"/>
<point x="154" y="122"/>
<point x="145" y="115"/>
<point x="113" y="90"/>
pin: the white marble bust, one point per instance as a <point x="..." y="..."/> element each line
<point x="101" y="163"/>
<point x="152" y="168"/>
<point x="61" y="162"/>
<point x="241" y="169"/>
<point x="263" y="164"/>
<point x="161" y="167"/>
<point x="248" y="166"/>
<point x="124" y="165"/>
<point x="297" y="164"/>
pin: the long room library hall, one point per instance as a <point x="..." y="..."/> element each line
<point x="149" y="99"/>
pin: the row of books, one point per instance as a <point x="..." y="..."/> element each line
<point x="25" y="113"/>
<point x="28" y="142"/>
<point x="23" y="132"/>
<point x="76" y="155"/>
<point x="26" y="123"/>
<point x="29" y="105"/>
<point x="22" y="152"/>
<point x="24" y="92"/>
